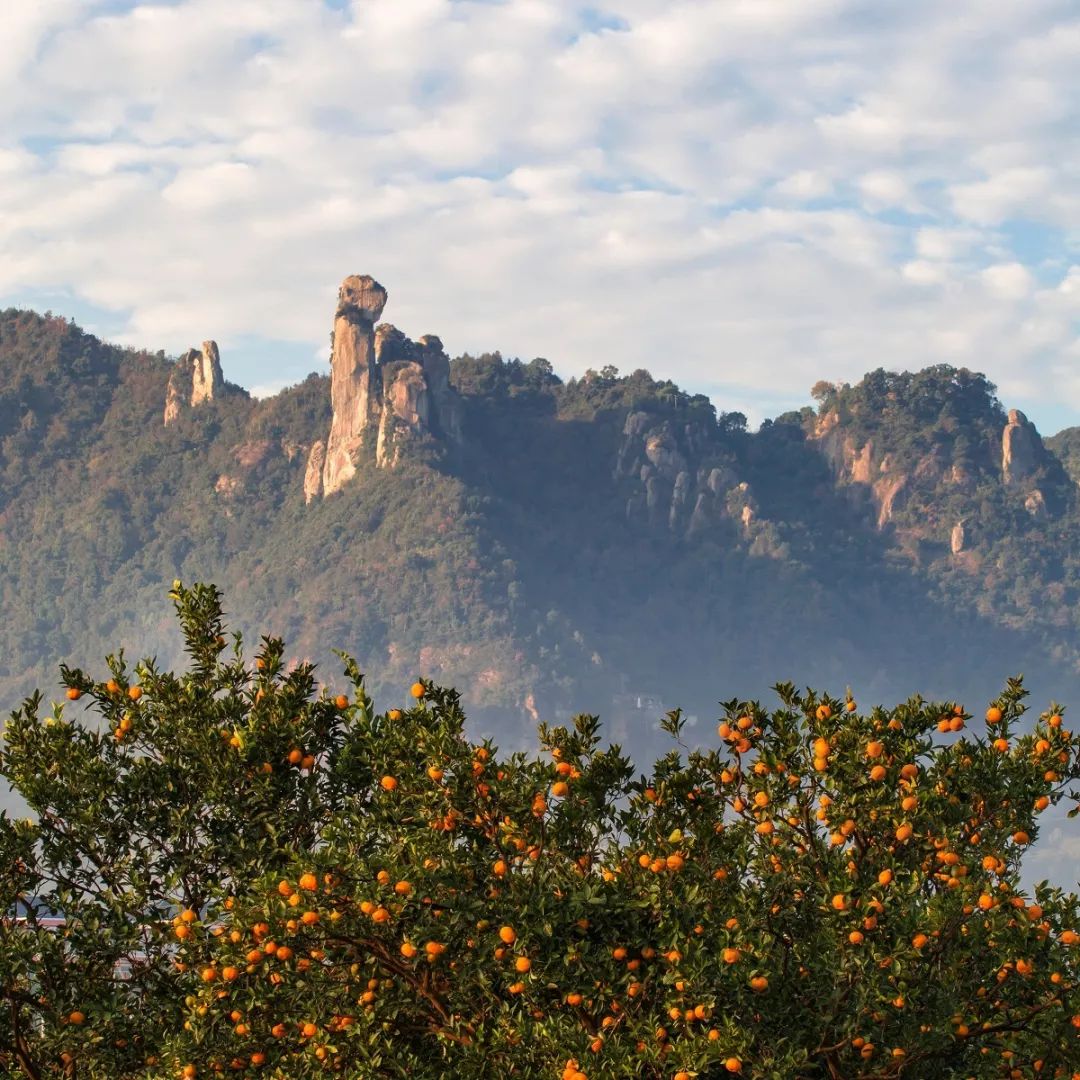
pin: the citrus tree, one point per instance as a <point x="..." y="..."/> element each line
<point x="260" y="877"/>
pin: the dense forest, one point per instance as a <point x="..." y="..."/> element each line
<point x="607" y="543"/>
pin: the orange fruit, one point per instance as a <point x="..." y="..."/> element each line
<point x="993" y="715"/>
<point x="388" y="783"/>
<point x="507" y="935"/>
<point x="417" y="690"/>
<point x="76" y="1017"/>
<point x="73" y="693"/>
<point x="135" y="693"/>
<point x="309" y="881"/>
<point x="341" y="701"/>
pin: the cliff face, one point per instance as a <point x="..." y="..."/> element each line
<point x="923" y="452"/>
<point x="386" y="390"/>
<point x="196" y="378"/>
<point x="680" y="477"/>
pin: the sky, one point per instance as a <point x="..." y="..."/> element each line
<point x="745" y="196"/>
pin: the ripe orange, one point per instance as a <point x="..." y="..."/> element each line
<point x="878" y="772"/>
<point x="507" y="934"/>
<point x="341" y="701"/>
<point x="885" y="877"/>
<point x="920" y="941"/>
<point x="388" y="783"/>
<point x="309" y="881"/>
<point x="759" y="983"/>
<point x="559" y="788"/>
<point x="394" y="714"/>
<point x="855" y="937"/>
<point x="135" y="693"/>
<point x="434" y="948"/>
<point x="875" y="749"/>
<point x="730" y="955"/>
<point x="76" y="1017"/>
<point x="993" y="715"/>
<point x="733" y="1065"/>
<point x="417" y="690"/>
<point x="408" y="950"/>
<point x="522" y="964"/>
<point x="839" y="902"/>
<point x="73" y="693"/>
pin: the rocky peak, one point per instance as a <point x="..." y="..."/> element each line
<point x="196" y="378"/>
<point x="386" y="391"/>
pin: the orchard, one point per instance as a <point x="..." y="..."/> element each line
<point x="233" y="872"/>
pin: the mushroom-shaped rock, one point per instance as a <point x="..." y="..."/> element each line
<point x="361" y="298"/>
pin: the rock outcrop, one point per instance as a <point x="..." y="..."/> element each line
<point x="387" y="392"/>
<point x="957" y="538"/>
<point x="1022" y="450"/>
<point x="196" y="378"/>
<point x="679" y="478"/>
<point x="313" y="473"/>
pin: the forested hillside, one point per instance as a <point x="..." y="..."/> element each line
<point x="608" y="543"/>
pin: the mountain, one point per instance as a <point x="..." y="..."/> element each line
<point x="608" y="544"/>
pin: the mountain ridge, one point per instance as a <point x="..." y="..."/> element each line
<point x="557" y="545"/>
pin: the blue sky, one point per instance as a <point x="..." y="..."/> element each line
<point x="743" y="195"/>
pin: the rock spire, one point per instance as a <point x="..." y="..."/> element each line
<point x="196" y="378"/>
<point x="386" y="391"/>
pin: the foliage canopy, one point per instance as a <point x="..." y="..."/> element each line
<point x="257" y="878"/>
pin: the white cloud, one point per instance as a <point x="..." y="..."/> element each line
<point x="750" y="193"/>
<point x="1007" y="281"/>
